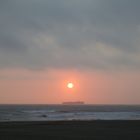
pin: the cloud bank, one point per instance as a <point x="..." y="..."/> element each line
<point x="88" y="34"/>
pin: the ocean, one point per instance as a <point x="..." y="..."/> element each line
<point x="68" y="112"/>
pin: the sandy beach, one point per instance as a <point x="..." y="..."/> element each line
<point x="70" y="130"/>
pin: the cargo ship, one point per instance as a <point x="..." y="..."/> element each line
<point x="73" y="103"/>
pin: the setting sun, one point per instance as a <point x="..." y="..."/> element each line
<point x="70" y="85"/>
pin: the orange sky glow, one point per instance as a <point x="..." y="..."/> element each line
<point x="50" y="87"/>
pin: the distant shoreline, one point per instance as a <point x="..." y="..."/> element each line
<point x="62" y="104"/>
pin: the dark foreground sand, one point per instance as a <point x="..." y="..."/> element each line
<point x="70" y="130"/>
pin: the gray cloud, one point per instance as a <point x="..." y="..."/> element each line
<point x="99" y="34"/>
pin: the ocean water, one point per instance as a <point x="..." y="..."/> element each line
<point x="68" y="112"/>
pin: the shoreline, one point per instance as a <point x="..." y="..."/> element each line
<point x="69" y="121"/>
<point x="95" y="129"/>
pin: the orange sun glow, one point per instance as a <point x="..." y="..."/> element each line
<point x="70" y="85"/>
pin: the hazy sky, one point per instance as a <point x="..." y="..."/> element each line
<point x="92" y="43"/>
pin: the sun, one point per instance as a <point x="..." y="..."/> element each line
<point x="70" y="85"/>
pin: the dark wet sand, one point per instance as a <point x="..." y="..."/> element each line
<point x="70" y="130"/>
